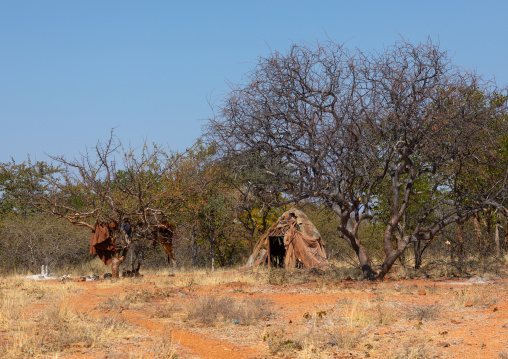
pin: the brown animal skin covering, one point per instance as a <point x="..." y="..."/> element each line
<point x="302" y="247"/>
<point x="102" y="243"/>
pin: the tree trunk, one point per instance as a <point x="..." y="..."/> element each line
<point x="452" y="252"/>
<point x="418" y="254"/>
<point x="115" y="266"/>
<point x="361" y="253"/>
<point x="402" y="260"/>
<point x="478" y="233"/>
<point x="391" y="254"/>
<point x="194" y="246"/>
<point x="365" y="263"/>
<point x="251" y="237"/>
<point x="488" y="222"/>
<point x="132" y="258"/>
<point x="402" y="257"/>
<point x="496" y="240"/>
<point x="388" y="263"/>
<point x="211" y="238"/>
<point x="460" y="240"/>
<point x="506" y="234"/>
<point x="347" y="232"/>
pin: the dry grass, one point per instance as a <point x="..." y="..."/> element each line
<point x="58" y="329"/>
<point x="11" y="306"/>
<point x="329" y="318"/>
<point x="356" y="315"/>
<point x="164" y="346"/>
<point x="41" y="323"/>
<point x="346" y="328"/>
<point x="140" y="296"/>
<point x="423" y="312"/>
<point x="279" y="341"/>
<point x="17" y="294"/>
<point x="384" y="314"/>
<point x="166" y="310"/>
<point x="91" y="267"/>
<point x="113" y="304"/>
<point x="277" y="276"/>
<point x="212" y="311"/>
<point x="327" y="339"/>
<point x="414" y="348"/>
<point x="359" y="315"/>
<point x="475" y="295"/>
<point x="206" y="277"/>
<point x="319" y="338"/>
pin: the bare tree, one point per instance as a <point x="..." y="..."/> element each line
<point x="107" y="185"/>
<point x="325" y="123"/>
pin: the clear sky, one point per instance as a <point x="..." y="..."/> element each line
<point x="72" y="70"/>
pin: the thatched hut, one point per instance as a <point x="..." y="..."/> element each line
<point x="292" y="241"/>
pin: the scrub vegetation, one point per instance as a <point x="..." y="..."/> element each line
<point x="398" y="157"/>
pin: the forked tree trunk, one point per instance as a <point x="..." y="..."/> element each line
<point x="365" y="263"/>
<point x="391" y="254"/>
<point x="388" y="263"/>
<point x="361" y="253"/>
<point x="347" y="231"/>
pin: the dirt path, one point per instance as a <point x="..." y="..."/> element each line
<point x="338" y="319"/>
<point x="193" y="344"/>
<point x="189" y="344"/>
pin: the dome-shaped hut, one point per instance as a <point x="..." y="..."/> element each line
<point x="292" y="241"/>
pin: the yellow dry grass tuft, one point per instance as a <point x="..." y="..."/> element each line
<point x="475" y="295"/>
<point x="41" y="323"/>
<point x="212" y="311"/>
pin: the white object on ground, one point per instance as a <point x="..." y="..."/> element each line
<point x="44" y="274"/>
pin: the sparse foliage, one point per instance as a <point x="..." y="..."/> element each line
<point x="107" y="184"/>
<point x="350" y="129"/>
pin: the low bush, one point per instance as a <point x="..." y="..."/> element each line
<point x="423" y="312"/>
<point x="211" y="311"/>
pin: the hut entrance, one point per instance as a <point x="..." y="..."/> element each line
<point x="277" y="251"/>
<point x="276" y="247"/>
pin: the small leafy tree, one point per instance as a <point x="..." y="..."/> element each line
<point x="206" y="201"/>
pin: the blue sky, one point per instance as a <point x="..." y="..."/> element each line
<point x="72" y="70"/>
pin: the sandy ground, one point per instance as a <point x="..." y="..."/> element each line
<point x="444" y="318"/>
